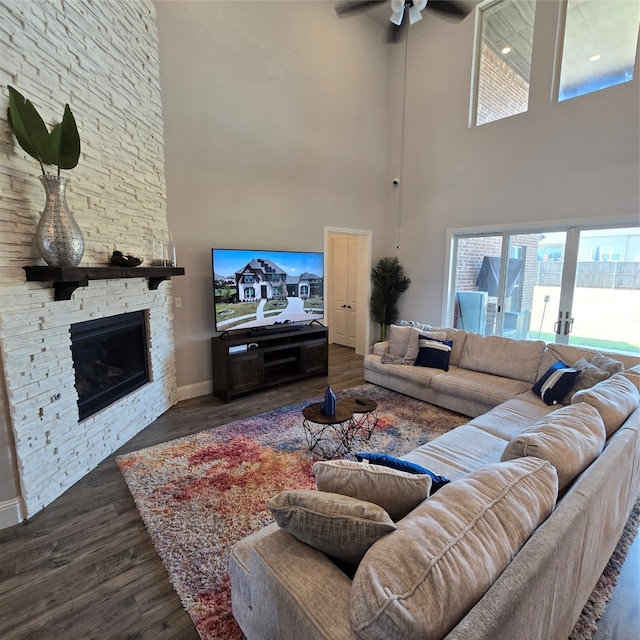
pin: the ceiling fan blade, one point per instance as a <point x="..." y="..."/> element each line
<point x="346" y="9"/>
<point x="454" y="9"/>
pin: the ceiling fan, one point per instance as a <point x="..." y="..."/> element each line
<point x="405" y="12"/>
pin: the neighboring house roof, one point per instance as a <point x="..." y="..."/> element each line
<point x="309" y="276"/>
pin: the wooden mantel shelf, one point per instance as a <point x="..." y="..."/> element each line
<point x="67" y="279"/>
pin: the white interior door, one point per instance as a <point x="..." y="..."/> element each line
<point x="340" y="288"/>
<point x="344" y="274"/>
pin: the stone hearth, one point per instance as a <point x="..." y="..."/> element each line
<point x="53" y="448"/>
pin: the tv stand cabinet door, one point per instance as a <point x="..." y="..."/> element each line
<point x="244" y="372"/>
<point x="315" y="357"/>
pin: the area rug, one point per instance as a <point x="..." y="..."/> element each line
<point x="200" y="494"/>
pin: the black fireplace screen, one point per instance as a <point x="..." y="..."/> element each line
<point x="110" y="358"/>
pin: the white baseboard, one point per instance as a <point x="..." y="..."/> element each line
<point x="189" y="391"/>
<point x="11" y="512"/>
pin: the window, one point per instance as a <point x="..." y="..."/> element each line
<point x="577" y="286"/>
<point x="599" y="45"/>
<point x="503" y="59"/>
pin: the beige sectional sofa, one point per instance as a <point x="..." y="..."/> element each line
<point x="511" y="548"/>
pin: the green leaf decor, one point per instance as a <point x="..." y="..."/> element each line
<point x="60" y="147"/>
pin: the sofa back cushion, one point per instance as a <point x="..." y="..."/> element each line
<point x="571" y="354"/>
<point x="633" y="374"/>
<point x="420" y="580"/>
<point x="570" y="438"/>
<point x="516" y="359"/>
<point x="616" y="398"/>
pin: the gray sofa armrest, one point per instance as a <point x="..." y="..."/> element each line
<point x="297" y="592"/>
<point x="380" y="348"/>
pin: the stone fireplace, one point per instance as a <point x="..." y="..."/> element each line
<point x="107" y="68"/>
<point x="54" y="444"/>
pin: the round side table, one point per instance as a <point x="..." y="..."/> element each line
<point x="329" y="435"/>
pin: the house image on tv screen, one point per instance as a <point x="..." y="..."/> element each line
<point x="264" y="279"/>
<point x="261" y="278"/>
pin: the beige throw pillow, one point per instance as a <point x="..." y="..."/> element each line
<point x="340" y="526"/>
<point x="607" y="364"/>
<point x="570" y="438"/>
<point x="420" y="580"/>
<point x="589" y="376"/>
<point x="397" y="492"/>
<point x="399" y="340"/>
<point x="615" y="399"/>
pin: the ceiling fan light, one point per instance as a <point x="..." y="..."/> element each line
<point x="397" y="8"/>
<point x="414" y="14"/>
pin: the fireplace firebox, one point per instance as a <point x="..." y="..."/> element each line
<point x="110" y="358"/>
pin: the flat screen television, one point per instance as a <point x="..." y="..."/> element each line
<point x="261" y="289"/>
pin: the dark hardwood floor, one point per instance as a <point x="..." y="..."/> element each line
<point x="84" y="567"/>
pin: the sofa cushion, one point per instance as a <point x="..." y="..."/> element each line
<point x="517" y="359"/>
<point x="420" y="580"/>
<point x="420" y="375"/>
<point x="458" y="336"/>
<point x="391" y="462"/>
<point x="399" y="340"/>
<point x="476" y="386"/>
<point x="415" y="338"/>
<point x="458" y="452"/>
<point x="554" y="384"/>
<point x="610" y="365"/>
<point x="397" y="492"/>
<point x="570" y="438"/>
<point x="434" y="353"/>
<point x="512" y="417"/>
<point x="633" y="374"/>
<point x="615" y="399"/>
<point x="589" y="376"/>
<point x="340" y="526"/>
<point x="403" y="343"/>
<point x="571" y="353"/>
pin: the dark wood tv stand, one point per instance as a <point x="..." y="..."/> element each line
<point x="243" y="363"/>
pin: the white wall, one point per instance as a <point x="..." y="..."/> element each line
<point x="573" y="161"/>
<point x="275" y="127"/>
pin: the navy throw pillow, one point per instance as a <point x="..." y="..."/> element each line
<point x="385" y="460"/>
<point x="433" y="353"/>
<point x="555" y="383"/>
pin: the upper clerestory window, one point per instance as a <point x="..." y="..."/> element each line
<point x="504" y="40"/>
<point x="599" y="45"/>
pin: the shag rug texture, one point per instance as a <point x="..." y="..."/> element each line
<point x="200" y="494"/>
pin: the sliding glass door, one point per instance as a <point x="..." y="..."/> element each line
<point x="572" y="286"/>
<point x="605" y="309"/>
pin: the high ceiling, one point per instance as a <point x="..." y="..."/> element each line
<point x="595" y="27"/>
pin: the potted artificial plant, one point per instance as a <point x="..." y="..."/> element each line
<point x="389" y="282"/>
<point x="58" y="237"/>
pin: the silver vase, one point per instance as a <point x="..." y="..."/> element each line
<point x="58" y="236"/>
